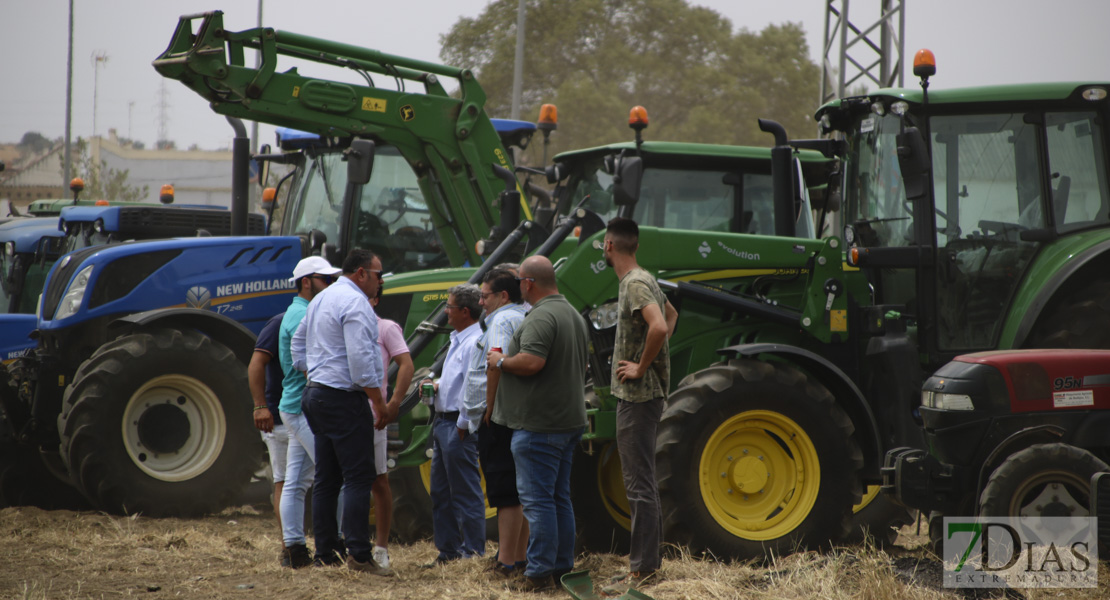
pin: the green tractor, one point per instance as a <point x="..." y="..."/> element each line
<point x="972" y="220"/>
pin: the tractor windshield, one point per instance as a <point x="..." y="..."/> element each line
<point x="690" y="199"/>
<point x="877" y="210"/>
<point x="393" y="220"/>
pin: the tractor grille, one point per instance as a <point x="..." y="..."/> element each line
<point x="153" y="222"/>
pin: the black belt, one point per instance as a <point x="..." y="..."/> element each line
<point x="313" y="384"/>
<point x="448" y="416"/>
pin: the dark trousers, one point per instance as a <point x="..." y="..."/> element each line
<point x="637" y="423"/>
<point x="343" y="426"/>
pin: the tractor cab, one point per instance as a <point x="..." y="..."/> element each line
<point x="953" y="198"/>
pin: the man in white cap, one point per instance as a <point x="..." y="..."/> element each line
<point x="311" y="276"/>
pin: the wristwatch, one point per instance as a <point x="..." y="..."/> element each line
<point x="499" y="361"/>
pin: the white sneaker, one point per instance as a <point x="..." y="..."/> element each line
<point x="381" y="556"/>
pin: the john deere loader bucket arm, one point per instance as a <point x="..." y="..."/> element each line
<point x="449" y="141"/>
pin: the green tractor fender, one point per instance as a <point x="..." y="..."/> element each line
<point x="847" y="395"/>
<point x="219" y="328"/>
<point x="1068" y="269"/>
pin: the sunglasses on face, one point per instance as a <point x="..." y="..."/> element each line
<point x="325" y="279"/>
<point x="519" y="279"/>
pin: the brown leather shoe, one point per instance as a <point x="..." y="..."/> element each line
<point x="368" y="566"/>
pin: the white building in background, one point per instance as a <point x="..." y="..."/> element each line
<point x="198" y="176"/>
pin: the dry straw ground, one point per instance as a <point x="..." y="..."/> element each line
<point x="61" y="555"/>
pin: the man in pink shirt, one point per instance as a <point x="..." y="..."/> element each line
<point x="392" y="341"/>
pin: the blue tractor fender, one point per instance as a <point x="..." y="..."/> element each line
<point x="220" y="328"/>
<point x="847" y="395"/>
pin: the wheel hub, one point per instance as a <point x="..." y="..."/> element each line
<point x="750" y="475"/>
<point x="174" y="427"/>
<point x="164" y="428"/>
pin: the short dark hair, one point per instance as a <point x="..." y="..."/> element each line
<point x="625" y="234"/>
<point x="357" y="258"/>
<point x="503" y="280"/>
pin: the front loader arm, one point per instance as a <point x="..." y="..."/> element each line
<point x="449" y="141"/>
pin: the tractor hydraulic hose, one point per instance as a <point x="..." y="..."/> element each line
<point x="728" y="301"/>
<point x="240" y="176"/>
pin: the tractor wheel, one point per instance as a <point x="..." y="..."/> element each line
<point x="601" y="512"/>
<point x="159" y="423"/>
<point x="1082" y="321"/>
<point x="755" y="458"/>
<point x="1043" y="480"/>
<point x="412" y="506"/>
<point x="877" y="518"/>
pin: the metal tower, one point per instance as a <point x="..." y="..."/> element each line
<point x="869" y="56"/>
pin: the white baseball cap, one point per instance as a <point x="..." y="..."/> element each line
<point x="313" y="265"/>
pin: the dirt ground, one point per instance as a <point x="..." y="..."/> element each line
<point x="68" y="555"/>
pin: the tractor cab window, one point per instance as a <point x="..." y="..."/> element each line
<point x="592" y="184"/>
<point x="877" y="212"/>
<point x="84" y="235"/>
<point x="9" y="276"/>
<point x="1080" y="197"/>
<point x="690" y="199"/>
<point x="987" y="186"/>
<point x="393" y="219"/>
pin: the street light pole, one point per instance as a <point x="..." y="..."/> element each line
<point x="67" y="165"/>
<point x="98" y="57"/>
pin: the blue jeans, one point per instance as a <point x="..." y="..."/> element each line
<point x="543" y="480"/>
<point x="344" y="435"/>
<point x="458" y="505"/>
<point x="300" y="469"/>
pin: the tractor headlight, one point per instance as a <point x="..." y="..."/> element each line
<point x="943" y="401"/>
<point x="75" y="294"/>
<point x="9" y="249"/>
<point x="605" y="316"/>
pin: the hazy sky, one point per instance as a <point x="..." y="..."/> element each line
<point x="975" y="42"/>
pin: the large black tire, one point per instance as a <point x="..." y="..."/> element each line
<point x="1043" y="480"/>
<point x="877" y="519"/>
<point x="159" y="423"/>
<point x="1081" y="320"/>
<point x="601" y="512"/>
<point x="755" y="459"/>
<point x="412" y="505"/>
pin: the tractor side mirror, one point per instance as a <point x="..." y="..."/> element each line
<point x="263" y="166"/>
<point x="360" y="161"/>
<point x="913" y="160"/>
<point x="626" y="182"/>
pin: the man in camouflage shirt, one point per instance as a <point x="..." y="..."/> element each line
<point x="641" y="378"/>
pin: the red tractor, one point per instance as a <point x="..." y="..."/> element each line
<point x="1009" y="433"/>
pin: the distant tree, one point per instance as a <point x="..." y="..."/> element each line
<point x="102" y="182"/>
<point x="35" y="143"/>
<point x="699" y="80"/>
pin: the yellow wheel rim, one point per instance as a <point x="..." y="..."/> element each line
<point x="610" y="486"/>
<point x="759" y="475"/>
<point x="869" y="495"/>
<point x="426" y="477"/>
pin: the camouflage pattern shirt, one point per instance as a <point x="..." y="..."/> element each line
<point x="638" y="289"/>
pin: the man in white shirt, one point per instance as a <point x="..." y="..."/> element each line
<point x="458" y="505"/>
<point x="337" y="345"/>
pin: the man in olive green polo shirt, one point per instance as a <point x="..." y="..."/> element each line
<point x="540" y="396"/>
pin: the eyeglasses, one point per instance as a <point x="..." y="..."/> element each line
<point x="452" y="306"/>
<point x="519" y="279"/>
<point x="327" y="279"/>
<point x="485" y="295"/>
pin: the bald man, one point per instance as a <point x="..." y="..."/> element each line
<point x="540" y="397"/>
